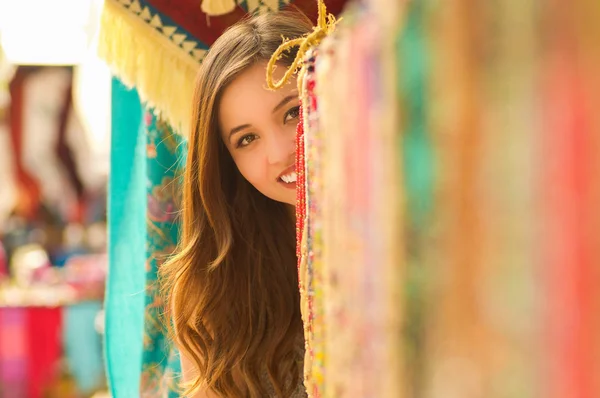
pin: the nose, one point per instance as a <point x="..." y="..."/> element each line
<point x="281" y="149"/>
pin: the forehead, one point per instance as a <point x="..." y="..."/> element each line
<point x="247" y="100"/>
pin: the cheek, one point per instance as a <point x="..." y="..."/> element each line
<point x="253" y="168"/>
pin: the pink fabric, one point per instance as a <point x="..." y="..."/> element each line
<point x="30" y="350"/>
<point x="13" y="352"/>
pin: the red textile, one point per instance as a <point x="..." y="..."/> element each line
<point x="44" y="339"/>
<point x="28" y="200"/>
<point x="567" y="199"/>
<point x="30" y="350"/>
<point x="300" y="186"/>
<point x="65" y="154"/>
<point x="187" y="15"/>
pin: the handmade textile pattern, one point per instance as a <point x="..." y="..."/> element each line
<point x="453" y="251"/>
<point x="353" y="264"/>
<point x="305" y="266"/>
<point x="157" y="45"/>
<point x="164" y="151"/>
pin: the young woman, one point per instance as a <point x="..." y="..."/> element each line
<point x="232" y="288"/>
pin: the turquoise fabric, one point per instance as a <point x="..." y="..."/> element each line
<point x="165" y="151"/>
<point x="83" y="345"/>
<point x="125" y="297"/>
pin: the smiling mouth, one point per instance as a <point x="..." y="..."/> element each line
<point x="289" y="178"/>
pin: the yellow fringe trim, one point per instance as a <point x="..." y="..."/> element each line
<point x="325" y="26"/>
<point x="141" y="57"/>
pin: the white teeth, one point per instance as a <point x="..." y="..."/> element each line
<point x="289" y="178"/>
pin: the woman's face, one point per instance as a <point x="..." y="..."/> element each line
<point x="258" y="127"/>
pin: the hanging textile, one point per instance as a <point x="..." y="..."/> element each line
<point x="82" y="346"/>
<point x="5" y="71"/>
<point x="125" y="299"/>
<point x="28" y="190"/>
<point x="568" y="171"/>
<point x="353" y="266"/>
<point x="487" y="285"/>
<point x="165" y="151"/>
<point x="415" y="152"/>
<point x="481" y="303"/>
<point x="507" y="305"/>
<point x="44" y="337"/>
<point x="46" y="165"/>
<point x="13" y="352"/>
<point x="66" y="155"/>
<point x="151" y="360"/>
<point x="30" y="350"/>
<point x="41" y="346"/>
<point x="157" y="46"/>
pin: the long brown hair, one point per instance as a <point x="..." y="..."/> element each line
<point x="232" y="287"/>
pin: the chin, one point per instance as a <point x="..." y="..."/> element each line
<point x="292" y="200"/>
<point x="287" y="201"/>
<point x="288" y="197"/>
<point x="283" y="199"/>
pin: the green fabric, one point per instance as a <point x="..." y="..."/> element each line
<point x="416" y="146"/>
<point x="164" y="152"/>
<point x="418" y="167"/>
<point x="127" y="240"/>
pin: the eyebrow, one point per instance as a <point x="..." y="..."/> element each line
<point x="237" y="129"/>
<point x="284" y="102"/>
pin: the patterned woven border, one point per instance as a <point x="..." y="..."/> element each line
<point x="179" y="36"/>
<point x="167" y="28"/>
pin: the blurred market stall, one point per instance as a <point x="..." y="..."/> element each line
<point x="54" y="131"/>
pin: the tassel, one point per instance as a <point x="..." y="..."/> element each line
<point x="217" y="8"/>
<point x="325" y="26"/>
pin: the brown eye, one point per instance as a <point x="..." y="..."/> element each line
<point x="245" y="140"/>
<point x="292" y="114"/>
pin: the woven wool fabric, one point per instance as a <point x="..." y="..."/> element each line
<point x="351" y="155"/>
<point x="311" y="271"/>
<point x="164" y="162"/>
<point x="125" y="299"/>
